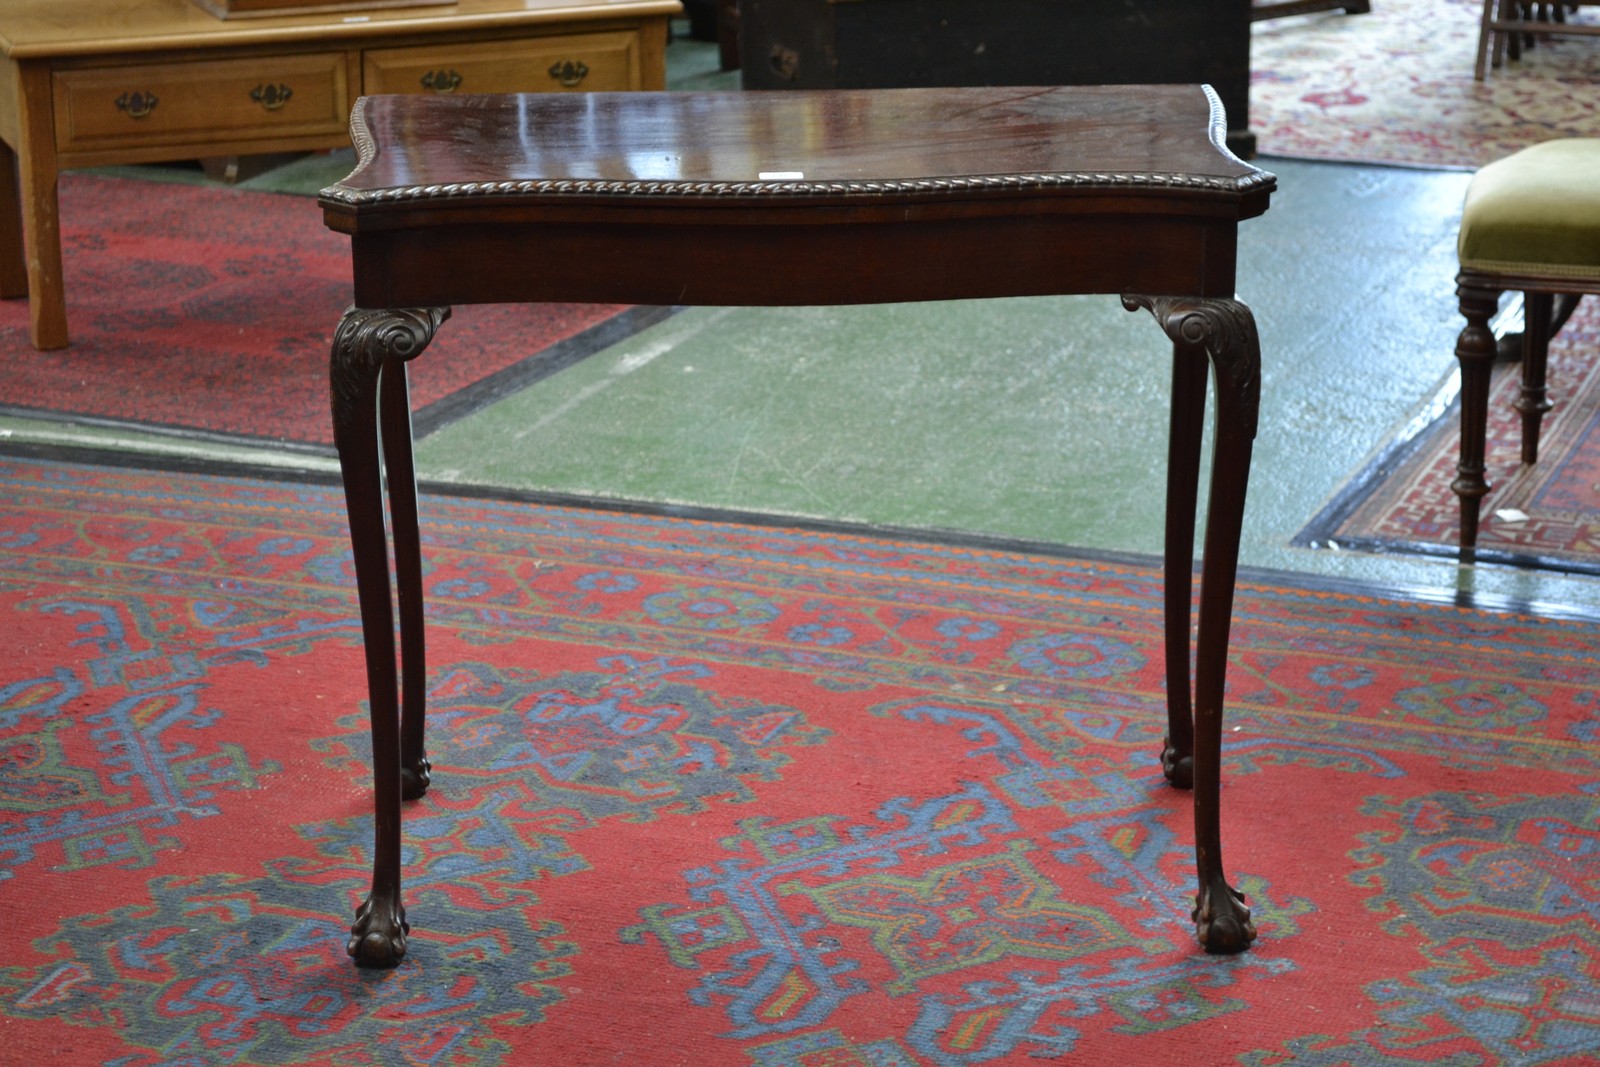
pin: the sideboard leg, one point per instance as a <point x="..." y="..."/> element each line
<point x="1226" y="331"/>
<point x="13" y="259"/>
<point x="38" y="178"/>
<point x="364" y="345"/>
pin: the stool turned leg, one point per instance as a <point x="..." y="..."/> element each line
<point x="364" y="343"/>
<point x="1533" y="401"/>
<point x="1189" y="372"/>
<point x="1475" y="349"/>
<point x="1226" y="331"/>
<point x="394" y="413"/>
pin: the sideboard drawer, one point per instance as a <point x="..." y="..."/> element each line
<point x="562" y="62"/>
<point x="208" y="101"/>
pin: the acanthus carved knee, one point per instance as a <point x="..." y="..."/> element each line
<point x="1226" y="330"/>
<point x="365" y="340"/>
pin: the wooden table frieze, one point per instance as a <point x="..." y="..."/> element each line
<point x="809" y="197"/>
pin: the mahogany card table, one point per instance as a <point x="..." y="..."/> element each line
<point x="796" y="198"/>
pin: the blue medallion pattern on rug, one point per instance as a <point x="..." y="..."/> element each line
<point x="260" y="978"/>
<point x="155" y="763"/>
<point x="228" y="970"/>
<point x="760" y="798"/>
<point x="1501" y="898"/>
<point x="636" y="738"/>
<point x="942" y="901"/>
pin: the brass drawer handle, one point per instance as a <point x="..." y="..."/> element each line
<point x="137" y="105"/>
<point x="441" y="81"/>
<point x="569" y="72"/>
<point x="271" y="97"/>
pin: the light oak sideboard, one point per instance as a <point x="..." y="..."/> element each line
<point x="86" y="83"/>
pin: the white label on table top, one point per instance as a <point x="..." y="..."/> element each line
<point x="781" y="175"/>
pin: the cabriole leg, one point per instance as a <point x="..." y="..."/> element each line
<point x="365" y="345"/>
<point x="1225" y="330"/>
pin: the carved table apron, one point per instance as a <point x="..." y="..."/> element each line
<point x="803" y="198"/>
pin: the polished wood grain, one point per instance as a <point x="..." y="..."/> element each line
<point x="1008" y="185"/>
<point x="1158" y="140"/>
<point x="804" y="197"/>
<point x="85" y="83"/>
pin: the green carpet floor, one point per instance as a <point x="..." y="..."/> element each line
<point x="1039" y="419"/>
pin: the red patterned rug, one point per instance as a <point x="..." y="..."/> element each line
<point x="758" y="797"/>
<point x="1547" y="513"/>
<point x="198" y="308"/>
<point x="1395" y="86"/>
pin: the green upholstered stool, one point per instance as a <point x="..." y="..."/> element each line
<point x="1531" y="223"/>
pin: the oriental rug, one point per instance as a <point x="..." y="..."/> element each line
<point x="210" y="310"/>
<point x="1545" y="514"/>
<point x="1395" y="86"/>
<point x="720" y="794"/>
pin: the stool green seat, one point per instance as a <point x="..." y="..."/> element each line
<point x="1530" y="224"/>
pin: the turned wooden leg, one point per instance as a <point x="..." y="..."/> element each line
<point x="1189" y="373"/>
<point x="364" y="345"/>
<point x="41" y="210"/>
<point x="1475" y="349"/>
<point x="1534" y="400"/>
<point x="1225" y="330"/>
<point x="394" y="407"/>
<point x="13" y="260"/>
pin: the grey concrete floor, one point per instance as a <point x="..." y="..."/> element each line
<point x="1037" y="419"/>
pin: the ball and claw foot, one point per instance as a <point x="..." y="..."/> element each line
<point x="1222" y="922"/>
<point x="378" y="938"/>
<point x="1179" y="770"/>
<point x="414" y="781"/>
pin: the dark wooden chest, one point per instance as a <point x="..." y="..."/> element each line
<point x="865" y="44"/>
